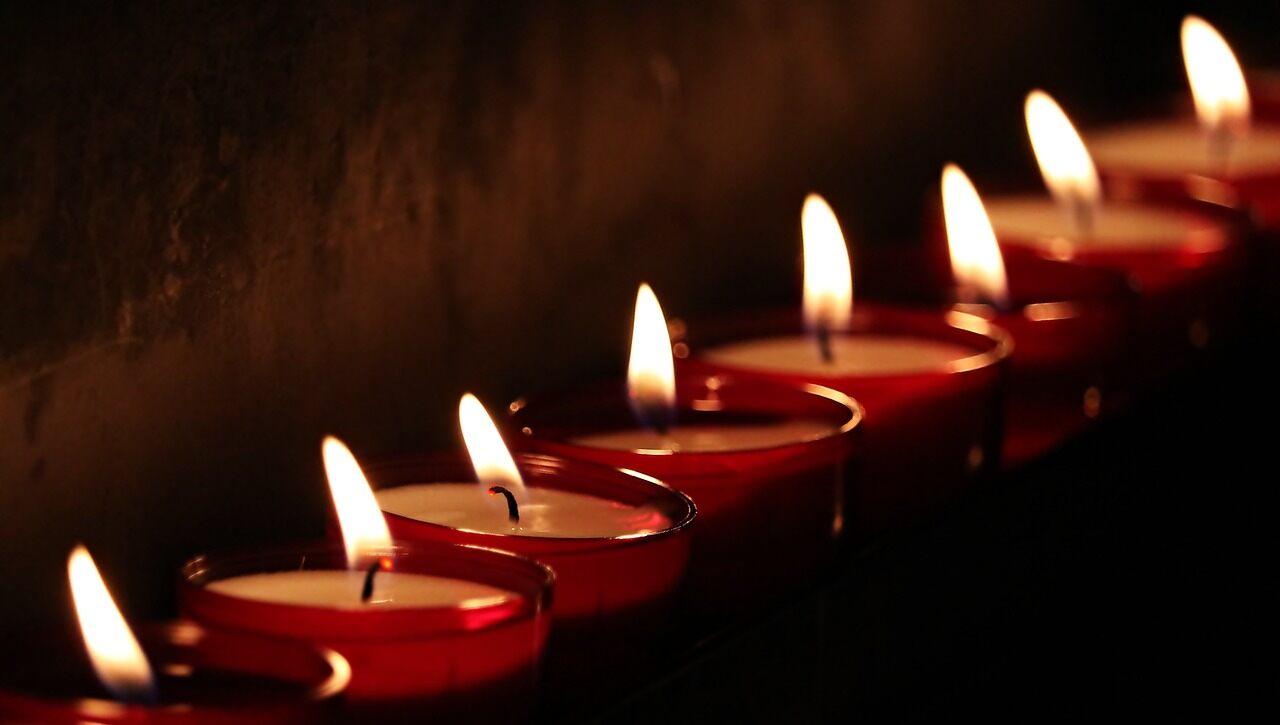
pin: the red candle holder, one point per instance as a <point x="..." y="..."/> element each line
<point x="214" y="678"/>
<point x="767" y="516"/>
<point x="1071" y="326"/>
<point x="479" y="663"/>
<point x="954" y="413"/>
<point x="1187" y="296"/>
<point x="612" y="593"/>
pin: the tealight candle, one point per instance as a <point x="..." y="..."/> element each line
<point x="765" y="464"/>
<point x="176" y="673"/>
<point x="1183" y="264"/>
<point x="1221" y="158"/>
<point x="929" y="381"/>
<point x="1068" y="346"/>
<point x="451" y="629"/>
<point x="617" y="542"/>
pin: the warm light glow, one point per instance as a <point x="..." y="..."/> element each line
<point x="1217" y="83"/>
<point x="121" y="666"/>
<point x="489" y="455"/>
<point x="364" y="530"/>
<point x="975" y="256"/>
<point x="651" y="375"/>
<point x="1064" y="161"/>
<point x="828" y="279"/>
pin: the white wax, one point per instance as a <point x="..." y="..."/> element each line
<point x="339" y="589"/>
<point x="1039" y="221"/>
<point x="862" y="354"/>
<point x="1182" y="147"/>
<point x="545" y="512"/>
<point x="710" y="438"/>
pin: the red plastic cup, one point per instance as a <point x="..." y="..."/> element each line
<point x="767" y="517"/>
<point x="612" y="593"/>
<point x="928" y="436"/>
<point x="477" y="662"/>
<point x="214" y="678"/>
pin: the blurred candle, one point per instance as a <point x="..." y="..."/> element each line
<point x="1066" y="348"/>
<point x="1221" y="157"/>
<point x="1182" y="263"/>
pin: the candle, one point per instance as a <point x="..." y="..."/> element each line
<point x="1184" y="264"/>
<point x="618" y="542"/>
<point x="1068" y="349"/>
<point x="172" y="673"/>
<point x="929" y="381"/>
<point x="450" y="629"/>
<point x="1222" y="158"/>
<point x="765" y="464"/>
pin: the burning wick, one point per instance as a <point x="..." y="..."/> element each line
<point x="823" y="334"/>
<point x="366" y="592"/>
<point x="513" y="509"/>
<point x="1082" y="215"/>
<point x="1220" y="139"/>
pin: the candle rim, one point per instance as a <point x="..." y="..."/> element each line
<point x="836" y="398"/>
<point x="533" y="595"/>
<point x="180" y="633"/>
<point x="674" y="499"/>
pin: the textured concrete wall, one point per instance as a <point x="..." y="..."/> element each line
<point x="226" y="229"/>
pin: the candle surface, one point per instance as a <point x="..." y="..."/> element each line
<point x="1041" y="222"/>
<point x="1183" y="147"/>
<point x="856" y="354"/>
<point x="706" y="438"/>
<point x="547" y="512"/>
<point x="340" y="589"/>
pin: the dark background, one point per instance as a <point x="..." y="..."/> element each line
<point x="229" y="228"/>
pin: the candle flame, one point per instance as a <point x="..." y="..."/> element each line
<point x="1217" y="83"/>
<point x="1064" y="161"/>
<point x="975" y="256"/>
<point x="828" y="279"/>
<point x="121" y="666"/>
<point x="489" y="454"/>
<point x="364" y="529"/>
<point x="651" y="376"/>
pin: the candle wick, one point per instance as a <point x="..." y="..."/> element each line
<point x="366" y="592"/>
<point x="513" y="509"/>
<point x="824" y="344"/>
<point x="1220" y="142"/>
<point x="1082" y="215"/>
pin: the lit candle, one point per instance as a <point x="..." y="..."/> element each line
<point x="1067" y="348"/>
<point x="176" y="673"/>
<point x="1184" y="264"/>
<point x="1221" y="157"/>
<point x="617" y="541"/>
<point x="441" y="626"/>
<point x="929" y="380"/>
<point x="363" y="585"/>
<point x="764" y="463"/>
